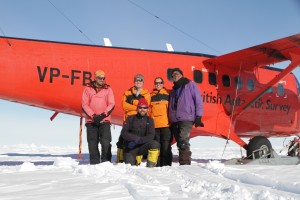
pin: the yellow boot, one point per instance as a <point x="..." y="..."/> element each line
<point x="120" y="158"/>
<point x="138" y="160"/>
<point x="152" y="157"/>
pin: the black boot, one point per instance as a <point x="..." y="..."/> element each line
<point x="166" y="160"/>
<point x="185" y="157"/>
<point x="159" y="161"/>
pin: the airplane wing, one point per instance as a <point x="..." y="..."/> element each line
<point x="257" y="56"/>
<point x="261" y="55"/>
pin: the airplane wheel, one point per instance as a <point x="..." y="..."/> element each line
<point x="295" y="149"/>
<point x="260" y="147"/>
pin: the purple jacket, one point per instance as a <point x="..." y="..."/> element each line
<point x="189" y="104"/>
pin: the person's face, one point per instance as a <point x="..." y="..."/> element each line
<point x="100" y="80"/>
<point x="176" y="76"/>
<point x="138" y="83"/>
<point x="142" y="110"/>
<point x="158" y="83"/>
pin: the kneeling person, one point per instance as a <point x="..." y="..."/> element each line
<point x="138" y="133"/>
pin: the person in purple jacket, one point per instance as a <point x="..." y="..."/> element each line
<point x="185" y="110"/>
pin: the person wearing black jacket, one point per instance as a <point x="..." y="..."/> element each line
<point x="138" y="133"/>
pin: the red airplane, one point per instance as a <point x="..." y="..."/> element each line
<point x="243" y="96"/>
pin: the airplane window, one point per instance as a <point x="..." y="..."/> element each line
<point x="280" y="89"/>
<point x="226" y="80"/>
<point x="238" y="82"/>
<point x="198" y="77"/>
<point x="270" y="90"/>
<point x="212" y="78"/>
<point x="250" y="84"/>
<point x="169" y="74"/>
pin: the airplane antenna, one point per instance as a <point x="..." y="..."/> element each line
<point x="71" y="22"/>
<point x="107" y="42"/>
<point x="173" y="26"/>
<point x="169" y="47"/>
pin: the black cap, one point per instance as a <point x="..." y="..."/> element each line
<point x="177" y="70"/>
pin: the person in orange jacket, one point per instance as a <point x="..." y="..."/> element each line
<point x="159" y="112"/>
<point x="97" y="103"/>
<point x="130" y="101"/>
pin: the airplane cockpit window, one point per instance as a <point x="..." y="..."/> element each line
<point x="280" y="89"/>
<point x="250" y="84"/>
<point x="238" y="82"/>
<point x="226" y="80"/>
<point x="198" y="77"/>
<point x="212" y="78"/>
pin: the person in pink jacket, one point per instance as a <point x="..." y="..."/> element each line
<point x="97" y="103"/>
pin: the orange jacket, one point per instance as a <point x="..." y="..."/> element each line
<point x="96" y="101"/>
<point x="159" y="107"/>
<point x="130" y="101"/>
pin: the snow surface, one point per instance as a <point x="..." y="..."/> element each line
<point x="44" y="172"/>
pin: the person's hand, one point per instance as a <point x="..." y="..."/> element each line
<point x="99" y="118"/>
<point x="131" y="144"/>
<point x="198" y="122"/>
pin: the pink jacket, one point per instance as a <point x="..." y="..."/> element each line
<point x="94" y="102"/>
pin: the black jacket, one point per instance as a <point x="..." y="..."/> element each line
<point x="136" y="127"/>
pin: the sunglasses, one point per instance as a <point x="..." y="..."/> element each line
<point x="100" y="78"/>
<point x="175" y="74"/>
<point x="138" y="80"/>
<point x="156" y="83"/>
<point x="140" y="107"/>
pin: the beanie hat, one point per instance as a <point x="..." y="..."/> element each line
<point x="139" y="76"/>
<point x="143" y="102"/>
<point x="99" y="73"/>
<point x="177" y="70"/>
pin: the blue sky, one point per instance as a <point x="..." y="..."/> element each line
<point x="206" y="26"/>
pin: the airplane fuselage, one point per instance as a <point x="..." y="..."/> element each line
<point x="52" y="75"/>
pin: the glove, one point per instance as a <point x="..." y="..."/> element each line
<point x="198" y="122"/>
<point x="131" y="144"/>
<point x="99" y="118"/>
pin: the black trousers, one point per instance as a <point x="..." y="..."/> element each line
<point x="181" y="132"/>
<point x="120" y="142"/>
<point x="164" y="137"/>
<point x="95" y="134"/>
<point x="130" y="154"/>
